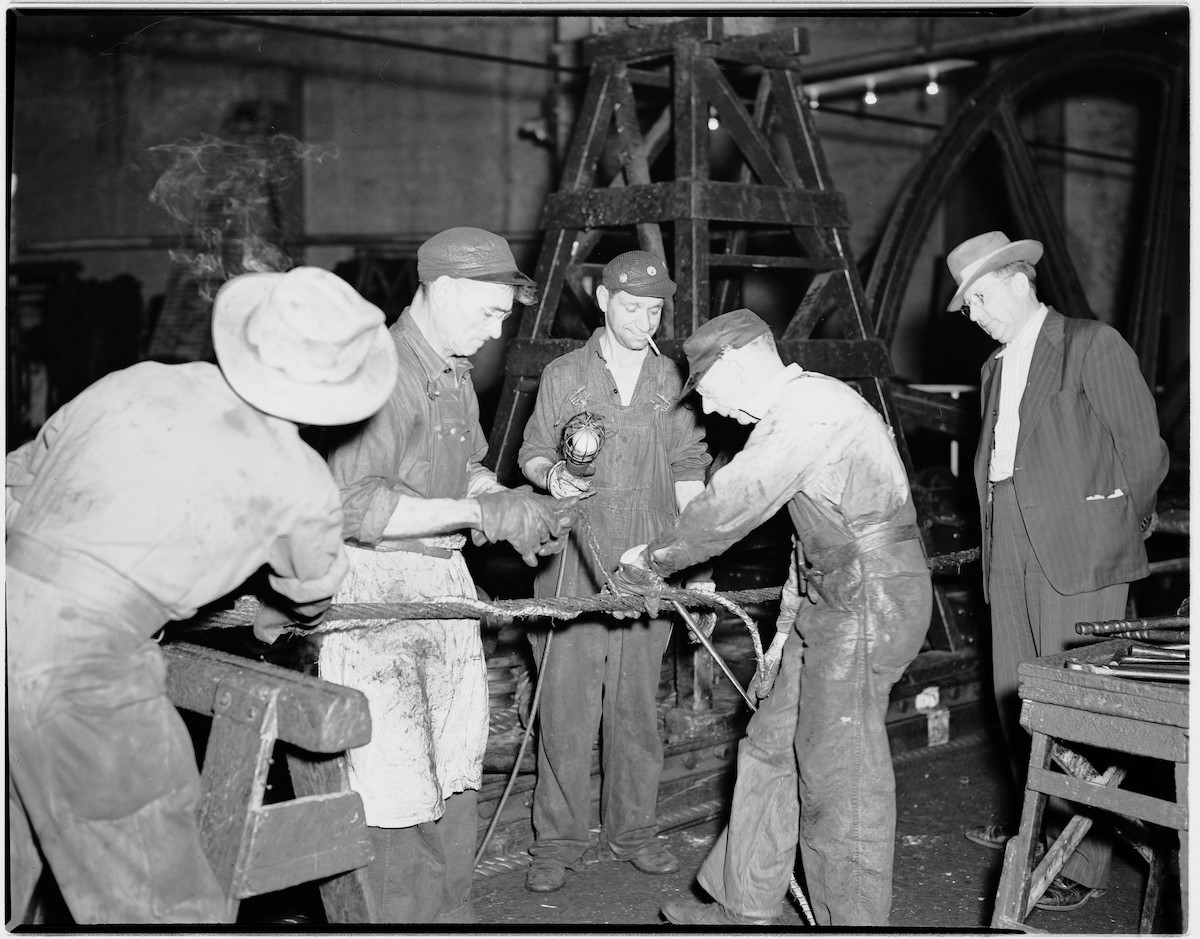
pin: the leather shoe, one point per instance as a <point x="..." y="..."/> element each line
<point x="545" y="878"/>
<point x="1064" y="895"/>
<point x="689" y="912"/>
<point x="990" y="836"/>
<point x="655" y="859"/>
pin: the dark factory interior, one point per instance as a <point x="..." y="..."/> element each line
<point x="816" y="165"/>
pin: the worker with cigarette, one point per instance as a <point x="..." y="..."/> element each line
<point x="860" y="592"/>
<point x="636" y="459"/>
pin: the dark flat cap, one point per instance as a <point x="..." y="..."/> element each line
<point x="728" y="331"/>
<point x="640" y="273"/>
<point x="471" y="253"/>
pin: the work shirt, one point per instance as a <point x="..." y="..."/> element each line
<point x="817" y="441"/>
<point x="1014" y="375"/>
<point x="165" y="475"/>
<point x="425" y="441"/>
<point x="650" y="444"/>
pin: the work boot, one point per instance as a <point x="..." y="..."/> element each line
<point x="687" y="911"/>
<point x="654" y="858"/>
<point x="545" y="876"/>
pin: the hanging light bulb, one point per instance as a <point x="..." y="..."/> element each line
<point x="932" y="87"/>
<point x="870" y="97"/>
<point x="713" y="121"/>
<point x="813" y="101"/>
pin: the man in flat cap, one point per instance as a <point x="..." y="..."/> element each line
<point x="602" y="673"/>
<point x="1067" y="471"/>
<point x="859" y="596"/>
<point x="412" y="484"/>
<point x="158" y="490"/>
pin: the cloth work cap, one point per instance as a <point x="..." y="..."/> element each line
<point x="640" y="273"/>
<point x="708" y="343"/>
<point x="471" y="253"/>
<point x="303" y="346"/>
<point x="982" y="255"/>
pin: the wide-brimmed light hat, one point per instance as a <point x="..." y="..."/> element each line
<point x="982" y="255"/>
<point x="304" y="346"/>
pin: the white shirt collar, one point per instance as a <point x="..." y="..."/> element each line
<point x="761" y="403"/>
<point x="1029" y="332"/>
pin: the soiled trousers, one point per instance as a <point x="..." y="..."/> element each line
<point x="600" y="671"/>
<point x="101" y="770"/>
<point x="820" y="742"/>
<point x="1031" y="619"/>
<point x="422" y="873"/>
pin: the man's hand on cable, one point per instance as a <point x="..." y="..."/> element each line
<point x="633" y="578"/>
<point x="272" y="619"/>
<point x="533" y="524"/>
<point x="562" y="483"/>
<point x="706" y="622"/>
<point x="764" y="678"/>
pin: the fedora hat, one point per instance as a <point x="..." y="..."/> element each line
<point x="304" y="346"/>
<point x="981" y="255"/>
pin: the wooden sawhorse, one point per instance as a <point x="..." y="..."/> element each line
<point x="1061" y="706"/>
<point x="320" y="835"/>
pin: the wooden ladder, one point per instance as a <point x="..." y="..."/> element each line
<point x="320" y="835"/>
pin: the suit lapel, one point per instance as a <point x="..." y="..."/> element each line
<point x="1045" y="374"/>
<point x="990" y="382"/>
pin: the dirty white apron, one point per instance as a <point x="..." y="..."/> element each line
<point x="425" y="682"/>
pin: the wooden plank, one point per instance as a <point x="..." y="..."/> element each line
<point x="775" y="262"/>
<point x="305" y="839"/>
<point x="746" y="135"/>
<point x="1129" y="735"/>
<point x="690" y="199"/>
<point x="787" y="41"/>
<point x="314" y="714"/>
<point x="649" y="41"/>
<point x="1147" y="808"/>
<point x="233" y="776"/>
<point x="346" y="897"/>
<point x="841" y="358"/>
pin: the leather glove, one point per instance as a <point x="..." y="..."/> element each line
<point x="633" y="581"/>
<point x="562" y="483"/>
<point x="533" y="524"/>
<point x="763" y="681"/>
<point x="271" y="621"/>
<point x="706" y="622"/>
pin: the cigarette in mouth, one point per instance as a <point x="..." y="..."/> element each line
<point x="652" y="345"/>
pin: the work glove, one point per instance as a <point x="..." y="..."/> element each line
<point x="562" y="483"/>
<point x="706" y="622"/>
<point x="763" y="681"/>
<point x="533" y="524"/>
<point x="272" y="620"/>
<point x="633" y="580"/>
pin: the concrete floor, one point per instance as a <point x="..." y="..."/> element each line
<point x="942" y="881"/>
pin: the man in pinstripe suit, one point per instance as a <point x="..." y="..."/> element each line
<point x="1067" y="470"/>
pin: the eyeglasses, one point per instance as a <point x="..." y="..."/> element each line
<point x="979" y="297"/>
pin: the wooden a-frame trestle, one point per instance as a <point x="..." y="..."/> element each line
<point x="639" y="172"/>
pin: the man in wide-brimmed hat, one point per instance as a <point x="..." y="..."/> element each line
<point x="814" y="767"/>
<point x="1067" y="470"/>
<point x="413" y="485"/>
<point x="157" y="490"/>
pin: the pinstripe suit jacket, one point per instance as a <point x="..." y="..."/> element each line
<point x="1088" y="427"/>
